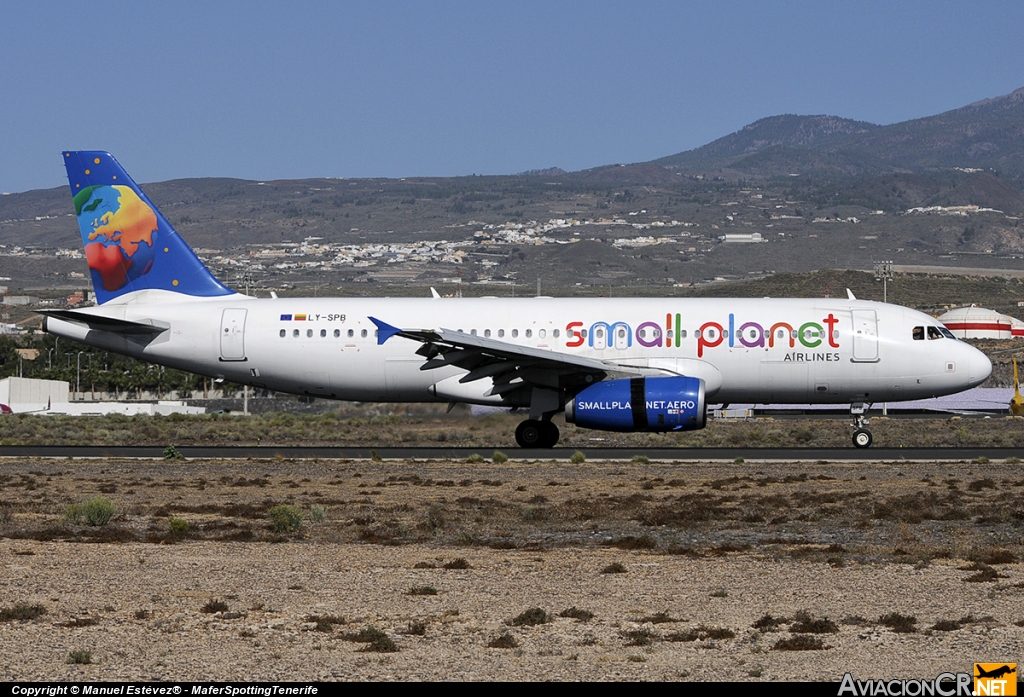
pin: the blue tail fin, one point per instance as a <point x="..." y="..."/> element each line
<point x="129" y="245"/>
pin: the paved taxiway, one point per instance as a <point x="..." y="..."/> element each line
<point x="595" y="453"/>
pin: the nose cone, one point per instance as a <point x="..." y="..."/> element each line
<point x="979" y="367"/>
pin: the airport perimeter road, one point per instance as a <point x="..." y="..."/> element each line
<point x="358" y="453"/>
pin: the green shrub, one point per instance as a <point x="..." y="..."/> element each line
<point x="475" y="459"/>
<point x="96" y="511"/>
<point x="505" y="641"/>
<point x="577" y="614"/>
<point x="177" y="526"/>
<point x="172" y="453"/>
<point x="800" y="642"/>
<point x="531" y="617"/>
<point x="381" y="644"/>
<point x="286" y="518"/>
<point x="80" y="657"/>
<point x="376" y="641"/>
<point x="214" y="605"/>
<point x="578" y="458"/>
<point x="639" y="637"/>
<point x="317" y="513"/>
<point x="499" y="458"/>
<point x="22" y="611"/>
<point x="901" y="624"/>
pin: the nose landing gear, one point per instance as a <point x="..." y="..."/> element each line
<point x="861" y="435"/>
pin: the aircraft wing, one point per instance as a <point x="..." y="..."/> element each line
<point x="510" y="366"/>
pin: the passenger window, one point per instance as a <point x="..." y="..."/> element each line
<point x="337" y="333"/>
<point x="583" y="333"/>
<point x="501" y="333"/>
<point x="309" y="333"/>
<point x="934" y="333"/>
<point x="682" y="334"/>
<point x="622" y="333"/>
<point x="363" y="334"/>
<point x="753" y="333"/>
<point x="515" y="333"/>
<point x="323" y="333"/>
<point x="351" y="333"/>
<point x="529" y="333"/>
<point x="569" y="333"/>
<point x="542" y="333"/>
<point x="472" y="332"/>
<point x="283" y="332"/>
<point x="918" y="333"/>
<point x="555" y="333"/>
<point x="487" y="333"/>
<point x="295" y="333"/>
<point x="781" y="334"/>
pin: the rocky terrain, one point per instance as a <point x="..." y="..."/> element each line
<point x="513" y="570"/>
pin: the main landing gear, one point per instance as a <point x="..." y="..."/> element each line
<point x="861" y="435"/>
<point x="535" y="433"/>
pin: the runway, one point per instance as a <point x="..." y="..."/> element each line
<point x="596" y="453"/>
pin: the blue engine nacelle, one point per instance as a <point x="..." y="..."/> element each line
<point x="640" y="404"/>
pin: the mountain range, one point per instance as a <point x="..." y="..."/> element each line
<point x="798" y="181"/>
<point x="987" y="135"/>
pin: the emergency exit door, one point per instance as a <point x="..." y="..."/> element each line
<point x="232" y="335"/>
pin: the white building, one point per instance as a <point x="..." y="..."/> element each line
<point x="30" y="396"/>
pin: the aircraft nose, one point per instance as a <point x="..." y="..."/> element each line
<point x="979" y="367"/>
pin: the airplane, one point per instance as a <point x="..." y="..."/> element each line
<point x="613" y="364"/>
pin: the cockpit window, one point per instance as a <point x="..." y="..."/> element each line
<point x="918" y="333"/>
<point x="946" y="333"/>
<point x="934" y="333"/>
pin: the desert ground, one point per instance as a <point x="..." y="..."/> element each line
<point x="507" y="570"/>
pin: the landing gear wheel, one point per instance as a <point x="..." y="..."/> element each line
<point x="862" y="438"/>
<point x="550" y="434"/>
<point x="530" y="434"/>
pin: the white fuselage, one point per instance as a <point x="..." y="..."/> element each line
<point x="746" y="350"/>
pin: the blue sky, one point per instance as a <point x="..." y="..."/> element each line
<point x="262" y="90"/>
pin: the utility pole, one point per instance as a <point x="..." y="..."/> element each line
<point x="78" y="375"/>
<point x="883" y="273"/>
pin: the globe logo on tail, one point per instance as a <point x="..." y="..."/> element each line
<point x="118" y="229"/>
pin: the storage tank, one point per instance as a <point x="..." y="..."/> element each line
<point x="975" y="322"/>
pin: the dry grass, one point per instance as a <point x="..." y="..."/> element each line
<point x="387" y="425"/>
<point x="848" y="513"/>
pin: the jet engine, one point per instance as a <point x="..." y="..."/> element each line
<point x="640" y="404"/>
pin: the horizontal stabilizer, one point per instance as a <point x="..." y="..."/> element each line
<point x="109" y="324"/>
